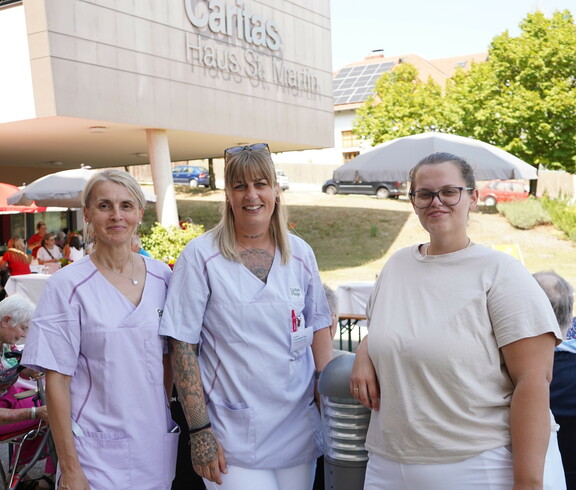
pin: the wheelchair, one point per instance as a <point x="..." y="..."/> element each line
<point x="14" y="478"/>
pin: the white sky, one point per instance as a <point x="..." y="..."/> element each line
<point x="429" y="28"/>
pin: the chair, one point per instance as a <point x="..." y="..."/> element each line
<point x="17" y="439"/>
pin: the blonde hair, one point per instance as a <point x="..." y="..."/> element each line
<point x="119" y="177"/>
<point x="249" y="165"/>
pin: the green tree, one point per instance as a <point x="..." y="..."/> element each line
<point x="402" y="105"/>
<point x="523" y="99"/>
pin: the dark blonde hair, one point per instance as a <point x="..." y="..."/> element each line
<point x="466" y="170"/>
<point x="248" y="166"/>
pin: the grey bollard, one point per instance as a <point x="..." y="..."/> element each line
<point x="344" y="425"/>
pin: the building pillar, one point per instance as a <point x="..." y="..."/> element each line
<point x="159" y="153"/>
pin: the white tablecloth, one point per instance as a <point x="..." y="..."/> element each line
<point x="27" y="285"/>
<point x="353" y="296"/>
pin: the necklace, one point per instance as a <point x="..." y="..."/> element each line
<point x="131" y="278"/>
<point x="428" y="246"/>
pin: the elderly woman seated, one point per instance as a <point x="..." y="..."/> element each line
<point x="18" y="414"/>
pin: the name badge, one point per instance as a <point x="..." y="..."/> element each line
<point x="300" y="336"/>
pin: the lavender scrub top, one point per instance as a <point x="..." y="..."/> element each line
<point x="85" y="328"/>
<point x="258" y="385"/>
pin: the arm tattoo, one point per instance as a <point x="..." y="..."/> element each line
<point x="189" y="382"/>
<point x="204" y="447"/>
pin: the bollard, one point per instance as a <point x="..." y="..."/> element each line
<point x="344" y="426"/>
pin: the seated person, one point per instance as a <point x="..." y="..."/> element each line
<point x="35" y="241"/>
<point x="15" y="260"/>
<point x="563" y="385"/>
<point x="49" y="253"/>
<point x="137" y="246"/>
<point x="19" y="414"/>
<point x="73" y="249"/>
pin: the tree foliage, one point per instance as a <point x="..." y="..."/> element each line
<point x="401" y="106"/>
<point x="523" y="99"/>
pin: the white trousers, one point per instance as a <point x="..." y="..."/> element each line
<point x="297" y="478"/>
<point x="491" y="470"/>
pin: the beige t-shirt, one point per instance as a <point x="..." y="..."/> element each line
<point x="436" y="324"/>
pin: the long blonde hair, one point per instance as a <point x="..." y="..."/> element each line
<point x="246" y="166"/>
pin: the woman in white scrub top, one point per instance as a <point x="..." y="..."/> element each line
<point x="460" y="347"/>
<point x="95" y="333"/>
<point x="249" y="321"/>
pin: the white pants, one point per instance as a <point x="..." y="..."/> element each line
<point x="491" y="470"/>
<point x="296" y="478"/>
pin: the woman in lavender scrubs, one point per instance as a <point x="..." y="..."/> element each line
<point x="94" y="332"/>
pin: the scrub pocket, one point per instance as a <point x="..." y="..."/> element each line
<point x="170" y="454"/>
<point x="105" y="459"/>
<point x="234" y="428"/>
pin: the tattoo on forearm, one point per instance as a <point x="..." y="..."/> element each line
<point x="204" y="448"/>
<point x="189" y="383"/>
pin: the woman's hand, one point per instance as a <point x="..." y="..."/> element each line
<point x="208" y="458"/>
<point x="42" y="413"/>
<point x="28" y="373"/>
<point x="364" y="384"/>
<point x="73" y="481"/>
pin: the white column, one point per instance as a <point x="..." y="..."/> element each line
<point x="159" y="153"/>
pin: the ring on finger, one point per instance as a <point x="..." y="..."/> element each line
<point x="356" y="388"/>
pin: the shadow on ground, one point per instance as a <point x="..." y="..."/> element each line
<point x="346" y="237"/>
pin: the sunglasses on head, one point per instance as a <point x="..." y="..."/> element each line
<point x="237" y="149"/>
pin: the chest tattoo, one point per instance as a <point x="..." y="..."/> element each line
<point x="258" y="262"/>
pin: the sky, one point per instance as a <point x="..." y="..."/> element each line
<point x="428" y="28"/>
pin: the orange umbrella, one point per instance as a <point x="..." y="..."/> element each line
<point x="5" y="208"/>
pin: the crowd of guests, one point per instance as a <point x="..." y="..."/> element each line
<point x="456" y="369"/>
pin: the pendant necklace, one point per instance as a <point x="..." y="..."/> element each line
<point x="131" y="278"/>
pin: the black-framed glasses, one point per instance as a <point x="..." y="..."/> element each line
<point x="449" y="196"/>
<point x="237" y="149"/>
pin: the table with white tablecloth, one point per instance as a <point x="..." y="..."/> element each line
<point x="352" y="298"/>
<point x="28" y="285"/>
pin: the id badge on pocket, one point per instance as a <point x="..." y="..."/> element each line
<point x="300" y="336"/>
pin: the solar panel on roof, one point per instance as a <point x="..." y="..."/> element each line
<point x="362" y="77"/>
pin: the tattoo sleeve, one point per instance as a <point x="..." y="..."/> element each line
<point x="189" y="382"/>
<point x="204" y="447"/>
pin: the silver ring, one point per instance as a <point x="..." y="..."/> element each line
<point x="356" y="388"/>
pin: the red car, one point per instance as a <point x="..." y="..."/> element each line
<point x="503" y="190"/>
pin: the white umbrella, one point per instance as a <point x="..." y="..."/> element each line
<point x="394" y="159"/>
<point x="62" y="189"/>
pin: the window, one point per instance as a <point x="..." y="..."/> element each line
<point x="350" y="140"/>
<point x="349" y="155"/>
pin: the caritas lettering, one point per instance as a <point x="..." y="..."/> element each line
<point x="233" y="20"/>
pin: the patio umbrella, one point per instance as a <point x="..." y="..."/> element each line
<point x="394" y="159"/>
<point x="5" y="208"/>
<point x="62" y="189"/>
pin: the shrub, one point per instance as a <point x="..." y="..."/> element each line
<point x="524" y="214"/>
<point x="563" y="215"/>
<point x="166" y="244"/>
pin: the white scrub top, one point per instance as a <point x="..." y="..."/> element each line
<point x="85" y="328"/>
<point x="259" y="388"/>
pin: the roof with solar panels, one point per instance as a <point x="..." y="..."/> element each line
<point x="354" y="83"/>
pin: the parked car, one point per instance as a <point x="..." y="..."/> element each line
<point x="496" y="191"/>
<point x="382" y="189"/>
<point x="283" y="180"/>
<point x="191" y="175"/>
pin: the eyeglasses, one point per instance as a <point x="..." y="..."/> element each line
<point x="237" y="149"/>
<point x="449" y="196"/>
